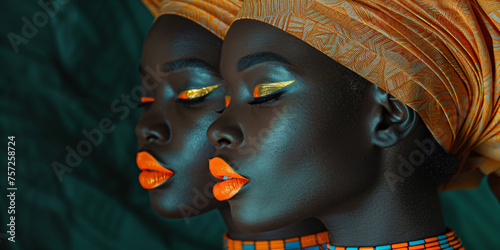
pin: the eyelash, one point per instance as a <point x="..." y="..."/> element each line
<point x="189" y="102"/>
<point x="267" y="98"/>
<point x="143" y="104"/>
<point x="193" y="101"/>
<point x="145" y="101"/>
<point x="186" y="102"/>
<point x="220" y="111"/>
<point x="227" y="100"/>
<point x="271" y="91"/>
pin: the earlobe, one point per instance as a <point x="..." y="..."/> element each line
<point x="393" y="119"/>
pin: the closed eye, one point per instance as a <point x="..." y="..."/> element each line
<point x="145" y="101"/>
<point x="268" y="92"/>
<point x="265" y="89"/>
<point x="196" y="93"/>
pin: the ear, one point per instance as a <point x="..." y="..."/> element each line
<point x="392" y="119"/>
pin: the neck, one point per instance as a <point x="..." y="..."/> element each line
<point x="384" y="216"/>
<point x="305" y="227"/>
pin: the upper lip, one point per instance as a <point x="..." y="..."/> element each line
<point x="153" y="165"/>
<point x="222" y="169"/>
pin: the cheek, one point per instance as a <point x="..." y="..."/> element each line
<point x="336" y="145"/>
<point x="282" y="163"/>
<point x="193" y="138"/>
<point x="190" y="193"/>
<point x="309" y="155"/>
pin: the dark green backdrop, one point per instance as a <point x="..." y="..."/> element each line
<point x="66" y="76"/>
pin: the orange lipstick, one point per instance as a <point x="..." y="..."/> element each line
<point x="153" y="173"/>
<point x="232" y="183"/>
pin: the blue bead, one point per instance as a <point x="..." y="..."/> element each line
<point x="248" y="247"/>
<point x="292" y="245"/>
<point x="441" y="242"/>
<point x="444" y="245"/>
<point x="386" y="247"/>
<point x="417" y="242"/>
<point x="442" y="237"/>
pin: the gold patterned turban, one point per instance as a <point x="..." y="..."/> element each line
<point x="441" y="58"/>
<point x="214" y="15"/>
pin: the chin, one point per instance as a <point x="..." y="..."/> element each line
<point x="165" y="212"/>
<point x="175" y="205"/>
<point x="253" y="221"/>
<point x="163" y="205"/>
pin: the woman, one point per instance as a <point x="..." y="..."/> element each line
<point x="183" y="96"/>
<point x="357" y="113"/>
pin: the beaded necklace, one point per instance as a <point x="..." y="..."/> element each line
<point x="448" y="241"/>
<point x="314" y="242"/>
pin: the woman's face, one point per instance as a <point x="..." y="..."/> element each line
<point x="303" y="147"/>
<point x="180" y="74"/>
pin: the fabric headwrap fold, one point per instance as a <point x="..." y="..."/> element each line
<point x="214" y="15"/>
<point x="441" y="58"/>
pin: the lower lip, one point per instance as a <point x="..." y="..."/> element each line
<point x="227" y="189"/>
<point x="152" y="179"/>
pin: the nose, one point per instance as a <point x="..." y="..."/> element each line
<point x="225" y="132"/>
<point x="152" y="130"/>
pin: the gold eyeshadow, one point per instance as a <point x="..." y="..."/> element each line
<point x="269" y="88"/>
<point x="195" y="93"/>
<point x="147" y="99"/>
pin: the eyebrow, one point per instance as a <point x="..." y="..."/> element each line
<point x="257" y="58"/>
<point x="188" y="63"/>
<point x="183" y="63"/>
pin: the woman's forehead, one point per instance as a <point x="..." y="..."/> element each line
<point x="185" y="40"/>
<point x="250" y="41"/>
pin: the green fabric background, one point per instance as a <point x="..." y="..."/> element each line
<point x="64" y="80"/>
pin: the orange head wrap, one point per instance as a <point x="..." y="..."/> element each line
<point x="214" y="15"/>
<point x="441" y="58"/>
